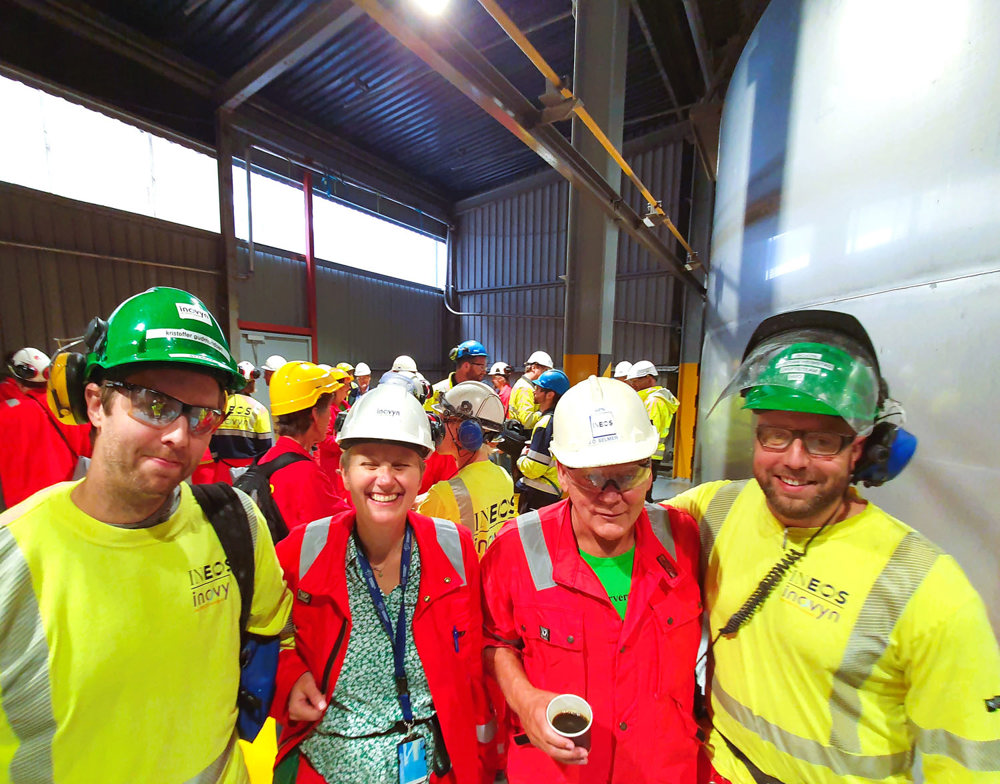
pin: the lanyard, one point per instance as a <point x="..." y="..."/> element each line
<point x="397" y="638"/>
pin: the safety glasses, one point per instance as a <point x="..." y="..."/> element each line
<point x="625" y="478"/>
<point x="818" y="443"/>
<point x="158" y="409"/>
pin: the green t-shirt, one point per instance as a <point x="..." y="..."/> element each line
<point x="615" y="575"/>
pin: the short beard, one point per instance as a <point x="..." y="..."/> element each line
<point x="802" y="510"/>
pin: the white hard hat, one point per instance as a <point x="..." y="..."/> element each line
<point x="248" y="370"/>
<point x="273" y="362"/>
<point x="622" y="369"/>
<point x="325" y="366"/>
<point x="404" y="364"/>
<point x="362" y="369"/>
<point x="499" y="369"/>
<point x="642" y="368"/>
<point x="387" y="413"/>
<point x="540" y="358"/>
<point x="473" y="400"/>
<point x="601" y="422"/>
<point x="29" y="364"/>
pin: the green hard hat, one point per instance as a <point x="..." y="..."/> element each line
<point x="816" y="378"/>
<point x="164" y="325"/>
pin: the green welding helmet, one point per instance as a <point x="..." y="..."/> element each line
<point x="163" y="325"/>
<point x="811" y="373"/>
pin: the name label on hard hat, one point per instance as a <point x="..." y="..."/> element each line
<point x="187" y="311"/>
<point x="388" y="412"/>
<point x="602" y="426"/>
<point x="183" y="334"/>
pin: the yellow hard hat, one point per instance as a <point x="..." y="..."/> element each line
<point x="297" y="386"/>
<point x="347" y="367"/>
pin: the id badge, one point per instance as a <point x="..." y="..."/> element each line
<point x="412" y="761"/>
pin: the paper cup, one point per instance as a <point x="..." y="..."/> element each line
<point x="571" y="717"/>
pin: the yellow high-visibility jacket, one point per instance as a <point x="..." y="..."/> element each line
<point x="872" y="646"/>
<point x="480" y="497"/>
<point x="521" y="405"/>
<point x="661" y="405"/>
<point x="119" y="660"/>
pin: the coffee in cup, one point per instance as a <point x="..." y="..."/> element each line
<point x="571" y="716"/>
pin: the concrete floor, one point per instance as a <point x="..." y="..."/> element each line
<point x="665" y="487"/>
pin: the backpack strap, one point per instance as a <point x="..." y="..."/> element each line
<point x="268" y="468"/>
<point x="227" y="510"/>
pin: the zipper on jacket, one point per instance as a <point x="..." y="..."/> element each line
<point x="333" y="656"/>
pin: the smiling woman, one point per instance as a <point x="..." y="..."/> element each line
<point x="385" y="680"/>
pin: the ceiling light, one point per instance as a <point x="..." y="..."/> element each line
<point x="431" y="7"/>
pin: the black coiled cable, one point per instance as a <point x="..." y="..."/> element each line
<point x="762" y="591"/>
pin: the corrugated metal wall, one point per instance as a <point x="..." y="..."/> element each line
<point x="360" y="316"/>
<point x="510" y="252"/>
<point x="63" y="262"/>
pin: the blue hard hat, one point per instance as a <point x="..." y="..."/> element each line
<point x="555" y="380"/>
<point x="468" y="348"/>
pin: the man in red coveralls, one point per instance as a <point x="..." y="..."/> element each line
<point x="38" y="449"/>
<point x="597" y="596"/>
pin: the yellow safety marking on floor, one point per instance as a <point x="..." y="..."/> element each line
<point x="260" y="754"/>
<point x="687" y="417"/>
<point x="578" y="367"/>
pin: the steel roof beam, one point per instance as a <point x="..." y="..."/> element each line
<point x="314" y="29"/>
<point x="453" y="57"/>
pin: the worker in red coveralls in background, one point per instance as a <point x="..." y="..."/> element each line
<point x="328" y="450"/>
<point x="302" y="399"/>
<point x="38" y="450"/>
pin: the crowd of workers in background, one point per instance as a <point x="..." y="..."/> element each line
<point x="453" y="557"/>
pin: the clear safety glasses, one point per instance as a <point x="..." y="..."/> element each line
<point x="818" y="443"/>
<point x="624" y="478"/>
<point x="159" y="409"/>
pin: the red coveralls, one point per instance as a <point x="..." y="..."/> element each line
<point x="447" y="617"/>
<point x="637" y="675"/>
<point x="301" y="490"/>
<point x="38" y="450"/>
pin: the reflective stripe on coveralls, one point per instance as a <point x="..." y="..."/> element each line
<point x="536" y="552"/>
<point x="317" y="532"/>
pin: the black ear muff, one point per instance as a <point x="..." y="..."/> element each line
<point x="437" y="428"/>
<point x="470" y="435"/>
<point x="96" y="334"/>
<point x="872" y="466"/>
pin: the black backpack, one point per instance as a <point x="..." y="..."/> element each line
<point x="256" y="483"/>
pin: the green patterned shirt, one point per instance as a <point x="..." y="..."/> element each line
<point x="364" y="700"/>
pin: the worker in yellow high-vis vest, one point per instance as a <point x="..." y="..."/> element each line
<point x="521" y="405"/>
<point x="481" y="495"/>
<point x="660" y="403"/>
<point x="844" y="642"/>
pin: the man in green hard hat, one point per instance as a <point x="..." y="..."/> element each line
<point x="843" y="641"/>
<point x="119" y="608"/>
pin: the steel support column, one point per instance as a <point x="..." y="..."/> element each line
<point x="227" y="226"/>
<point x="307" y="194"/>
<point x="592" y="237"/>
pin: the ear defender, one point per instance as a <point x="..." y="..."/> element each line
<point x="886" y="453"/>
<point x="64" y="390"/>
<point x="67" y="376"/>
<point x="470" y="435"/>
<point x="437" y="428"/>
